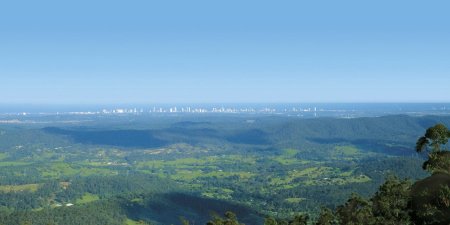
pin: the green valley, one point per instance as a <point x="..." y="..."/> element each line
<point x="166" y="168"/>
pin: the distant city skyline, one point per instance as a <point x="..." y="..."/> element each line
<point x="23" y="114"/>
<point x="145" y="52"/>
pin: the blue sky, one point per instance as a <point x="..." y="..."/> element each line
<point x="89" y="52"/>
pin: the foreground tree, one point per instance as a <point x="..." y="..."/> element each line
<point x="431" y="200"/>
<point x="390" y="204"/>
<point x="431" y="196"/>
<point x="270" y="221"/>
<point x="434" y="143"/>
<point x="356" y="211"/>
<point x="300" y="220"/>
<point x="326" y="217"/>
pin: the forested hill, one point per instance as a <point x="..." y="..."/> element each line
<point x="389" y="134"/>
<point x="366" y="127"/>
<point x="372" y="133"/>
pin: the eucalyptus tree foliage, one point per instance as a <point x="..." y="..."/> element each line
<point x="435" y="144"/>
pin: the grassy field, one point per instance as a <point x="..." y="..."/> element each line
<point x="86" y="198"/>
<point x="218" y="193"/>
<point x="132" y="222"/>
<point x="288" y="157"/>
<point x="14" y="163"/>
<point x="17" y="188"/>
<point x="294" y="200"/>
<point x="56" y="170"/>
<point x="347" y="152"/>
<point x="62" y="169"/>
<point x="3" y="156"/>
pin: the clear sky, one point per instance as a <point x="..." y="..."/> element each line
<point x="87" y="52"/>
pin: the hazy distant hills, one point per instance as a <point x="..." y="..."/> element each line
<point x="389" y="134"/>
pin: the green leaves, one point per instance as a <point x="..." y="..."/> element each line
<point x="421" y="144"/>
<point x="435" y="137"/>
<point x="326" y="217"/>
<point x="356" y="211"/>
<point x="434" y="142"/>
<point x="438" y="133"/>
<point x="390" y="203"/>
<point x="230" y="219"/>
<point x="444" y="196"/>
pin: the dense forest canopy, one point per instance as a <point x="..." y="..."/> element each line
<point x="246" y="169"/>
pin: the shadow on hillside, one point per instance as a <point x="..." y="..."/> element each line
<point x="121" y="138"/>
<point x="252" y="137"/>
<point x="168" y="208"/>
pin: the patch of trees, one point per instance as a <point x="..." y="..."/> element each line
<point x="397" y="201"/>
<point x="97" y="213"/>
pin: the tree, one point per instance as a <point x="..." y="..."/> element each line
<point x="356" y="211"/>
<point x="326" y="217"/>
<point x="435" y="137"/>
<point x="434" y="142"/>
<point x="230" y="219"/>
<point x="184" y="221"/>
<point x="430" y="200"/>
<point x="300" y="220"/>
<point x="431" y="196"/>
<point x="270" y="221"/>
<point x="390" y="204"/>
